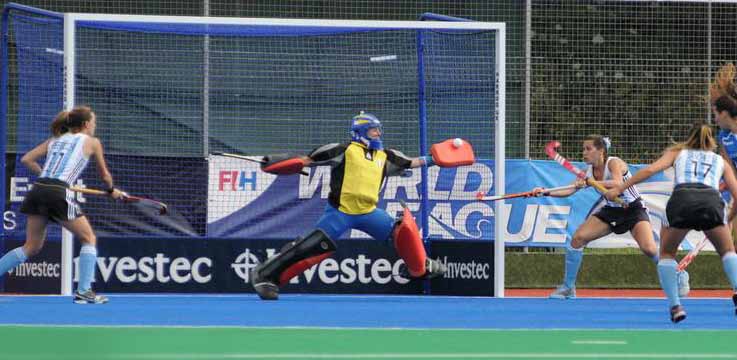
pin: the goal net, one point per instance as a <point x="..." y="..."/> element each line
<point x="170" y="92"/>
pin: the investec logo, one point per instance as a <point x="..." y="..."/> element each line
<point x="466" y="270"/>
<point x="146" y="269"/>
<point x="37" y="269"/>
<point x="348" y="271"/>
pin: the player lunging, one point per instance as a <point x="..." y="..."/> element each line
<point x="359" y="169"/>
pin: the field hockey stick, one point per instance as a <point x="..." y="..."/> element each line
<point x="553" y="154"/>
<point x="545" y="192"/>
<point x="243" y="157"/>
<point x="149" y="203"/>
<point x="691" y="254"/>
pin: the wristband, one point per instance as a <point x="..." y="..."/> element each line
<point x="428" y="160"/>
<point x="110" y="190"/>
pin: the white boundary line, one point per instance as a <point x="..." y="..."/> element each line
<point x="333" y="328"/>
<point x="396" y="356"/>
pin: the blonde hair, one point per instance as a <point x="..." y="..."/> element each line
<point x="72" y="120"/>
<point x="700" y="137"/>
<point x="723" y="91"/>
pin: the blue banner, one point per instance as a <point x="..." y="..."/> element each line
<point x="247" y="203"/>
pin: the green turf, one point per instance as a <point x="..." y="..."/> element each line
<point x="79" y="343"/>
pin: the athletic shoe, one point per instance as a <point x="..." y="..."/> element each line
<point x="265" y="289"/>
<point x="683" y="286"/>
<point x="677" y="314"/>
<point x="563" y="292"/>
<point x="433" y="269"/>
<point x="89" y="297"/>
<point x="734" y="301"/>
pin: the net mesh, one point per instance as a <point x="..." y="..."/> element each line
<point x="168" y="96"/>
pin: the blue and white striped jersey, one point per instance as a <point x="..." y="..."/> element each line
<point x="65" y="159"/>
<point x="698" y="166"/>
<point x="629" y="195"/>
<point x="728" y="140"/>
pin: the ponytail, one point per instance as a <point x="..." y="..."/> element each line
<point x="60" y="125"/>
<point x="72" y="120"/>
<point x="700" y="137"/>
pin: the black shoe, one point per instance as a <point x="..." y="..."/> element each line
<point x="265" y="289"/>
<point x="734" y="301"/>
<point x="89" y="297"/>
<point x="677" y="314"/>
<point x="433" y="269"/>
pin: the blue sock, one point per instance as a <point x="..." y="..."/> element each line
<point x="667" y="273"/>
<point x="87" y="263"/>
<point x="655" y="259"/>
<point x="573" y="263"/>
<point x="730" y="268"/>
<point x="12" y="259"/>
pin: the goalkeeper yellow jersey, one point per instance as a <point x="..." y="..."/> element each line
<point x="357" y="174"/>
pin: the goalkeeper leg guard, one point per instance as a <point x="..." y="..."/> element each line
<point x="295" y="257"/>
<point x="409" y="246"/>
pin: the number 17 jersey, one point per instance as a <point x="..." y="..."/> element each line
<point x="698" y="166"/>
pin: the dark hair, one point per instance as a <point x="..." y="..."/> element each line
<point x="74" y="119"/>
<point x="600" y="142"/>
<point x="723" y="91"/>
<point x="700" y="137"/>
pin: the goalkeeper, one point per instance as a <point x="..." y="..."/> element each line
<point x="359" y="168"/>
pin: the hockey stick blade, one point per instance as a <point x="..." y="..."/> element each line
<point x="683" y="264"/>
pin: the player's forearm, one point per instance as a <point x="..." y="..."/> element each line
<point x="422" y="161"/>
<point x="33" y="166"/>
<point x="609" y="184"/>
<point x="107" y="178"/>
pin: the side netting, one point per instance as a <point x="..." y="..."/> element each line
<point x="32" y="55"/>
<point x="170" y="92"/>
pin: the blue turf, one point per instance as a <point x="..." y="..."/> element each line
<point x="368" y="312"/>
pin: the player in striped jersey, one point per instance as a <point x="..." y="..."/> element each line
<point x="67" y="153"/>
<point x="723" y="96"/>
<point x="607" y="216"/>
<point x="694" y="204"/>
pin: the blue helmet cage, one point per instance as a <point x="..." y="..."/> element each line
<point x="360" y="125"/>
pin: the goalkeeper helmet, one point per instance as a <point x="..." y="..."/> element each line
<point x="360" y="126"/>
